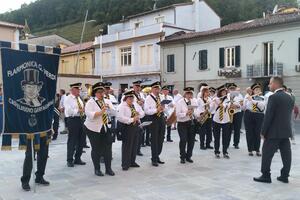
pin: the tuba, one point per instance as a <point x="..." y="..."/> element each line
<point x="89" y="89"/>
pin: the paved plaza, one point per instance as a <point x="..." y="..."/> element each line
<point x="207" y="178"/>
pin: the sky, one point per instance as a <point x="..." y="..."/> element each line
<point x="12" y="4"/>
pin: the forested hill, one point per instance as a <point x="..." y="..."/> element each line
<point x="43" y="15"/>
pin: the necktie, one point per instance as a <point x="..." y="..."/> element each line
<point x="79" y="106"/>
<point x="189" y="103"/>
<point x="104" y="115"/>
<point x="133" y="111"/>
<point x="254" y="107"/>
<point x="158" y="105"/>
<point x="221" y="112"/>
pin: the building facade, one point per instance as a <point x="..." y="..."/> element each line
<point x="244" y="53"/>
<point x="129" y="50"/>
<point x="10" y="32"/>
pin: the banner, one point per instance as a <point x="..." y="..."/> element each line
<point x="29" y="87"/>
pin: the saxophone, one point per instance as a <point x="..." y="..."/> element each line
<point x="205" y="115"/>
<point x="231" y="110"/>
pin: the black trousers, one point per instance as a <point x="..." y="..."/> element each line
<point x="55" y="125"/>
<point x="205" y="133"/>
<point x="130" y="143"/>
<point x="226" y="136"/>
<point x="157" y="130"/>
<point x="76" y="139"/>
<point x="42" y="156"/>
<point x="101" y="147"/>
<point x="236" y="127"/>
<point x="169" y="133"/>
<point x="253" y="124"/>
<point x="270" y="146"/>
<point x="187" y="139"/>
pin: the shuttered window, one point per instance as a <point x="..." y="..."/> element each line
<point x="202" y="59"/>
<point x="230" y="57"/>
<point x="171" y="63"/>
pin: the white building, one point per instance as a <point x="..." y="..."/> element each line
<point x="130" y="52"/>
<point x="243" y="52"/>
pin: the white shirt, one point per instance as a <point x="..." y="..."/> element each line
<point x="212" y="110"/>
<point x="177" y="97"/>
<point x="62" y="99"/>
<point x="95" y="123"/>
<point x="124" y="112"/>
<point x="182" y="109"/>
<point x="150" y="105"/>
<point x="71" y="106"/>
<point x="201" y="106"/>
<point x="169" y="108"/>
<point x="260" y="104"/>
<point x="238" y="100"/>
<point x="216" y="107"/>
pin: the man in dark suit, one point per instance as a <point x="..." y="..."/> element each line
<point x="276" y="131"/>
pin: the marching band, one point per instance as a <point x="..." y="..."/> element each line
<point x="215" y="114"/>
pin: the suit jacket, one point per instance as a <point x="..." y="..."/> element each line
<point x="277" y="120"/>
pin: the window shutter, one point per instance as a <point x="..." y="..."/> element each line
<point x="299" y="49"/>
<point x="172" y="63"/>
<point x="221" y="57"/>
<point x="238" y="56"/>
<point x="204" y="59"/>
<point x="200" y="60"/>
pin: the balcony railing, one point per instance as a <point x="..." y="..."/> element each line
<point x="261" y="70"/>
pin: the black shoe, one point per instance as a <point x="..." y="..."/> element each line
<point x="196" y="140"/>
<point x="182" y="161"/>
<point x="169" y="140"/>
<point x="189" y="160"/>
<point x="42" y="181"/>
<point x="70" y="164"/>
<point x="125" y="168"/>
<point x="79" y="162"/>
<point x="64" y="132"/>
<point x="148" y="144"/>
<point x="86" y="147"/>
<point x="202" y="148"/>
<point x="225" y="155"/>
<point x="283" y="179"/>
<point x="250" y="154"/>
<point x="155" y="164"/>
<point x="263" y="179"/>
<point x="218" y="156"/>
<point x="134" y="165"/>
<point x="209" y="147"/>
<point x="258" y="154"/>
<point x="83" y="151"/>
<point x="143" y="145"/>
<point x="54" y="138"/>
<point x="139" y="154"/>
<point x="160" y="162"/>
<point x="110" y="172"/>
<point x="98" y="172"/>
<point x="26" y="187"/>
<point x="236" y="147"/>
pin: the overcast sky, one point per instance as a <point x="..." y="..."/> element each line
<point x="12" y="4"/>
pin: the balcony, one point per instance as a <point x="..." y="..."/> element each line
<point x="259" y="70"/>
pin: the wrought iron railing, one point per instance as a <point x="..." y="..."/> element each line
<point x="261" y="70"/>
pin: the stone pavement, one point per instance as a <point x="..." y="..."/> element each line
<point x="205" y="179"/>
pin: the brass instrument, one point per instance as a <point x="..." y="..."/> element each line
<point x="231" y="110"/>
<point x="205" y="115"/>
<point x="89" y="89"/>
<point x="171" y="119"/>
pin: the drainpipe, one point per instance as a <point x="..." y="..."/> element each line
<point x="184" y="65"/>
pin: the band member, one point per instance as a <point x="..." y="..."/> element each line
<point x="221" y="121"/>
<point x="206" y="120"/>
<point x="56" y="115"/>
<point x="138" y="98"/>
<point x="129" y="114"/>
<point x="237" y="100"/>
<point x="114" y="101"/>
<point x="169" y="108"/>
<point x="155" y="112"/>
<point x="212" y="95"/>
<point x="97" y="128"/>
<point x="42" y="157"/>
<point x="276" y="131"/>
<point x="254" y="115"/>
<point x="185" y="120"/>
<point x="74" y="111"/>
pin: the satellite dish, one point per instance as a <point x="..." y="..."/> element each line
<point x="275" y="9"/>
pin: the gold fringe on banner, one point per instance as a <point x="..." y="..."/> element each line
<point x="22" y="147"/>
<point x="6" y="148"/>
<point x="30" y="136"/>
<point x="43" y="134"/>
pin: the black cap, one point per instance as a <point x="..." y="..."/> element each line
<point x="222" y="87"/>
<point x="212" y="89"/>
<point x="76" y="85"/>
<point x="166" y="87"/>
<point x="255" y="85"/>
<point x="97" y="86"/>
<point x="188" y="89"/>
<point x="129" y="93"/>
<point x="155" y="84"/>
<point x="107" y="84"/>
<point x="137" y="82"/>
<point x="230" y="85"/>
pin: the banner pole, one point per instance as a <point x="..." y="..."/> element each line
<point x="33" y="166"/>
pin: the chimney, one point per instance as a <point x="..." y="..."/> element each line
<point x="197" y="14"/>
